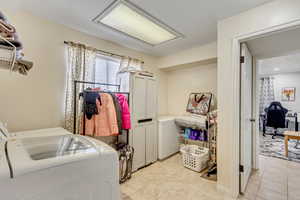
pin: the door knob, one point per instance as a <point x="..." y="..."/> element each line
<point x="252" y="120"/>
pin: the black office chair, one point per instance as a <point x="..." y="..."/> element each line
<point x="276" y="115"/>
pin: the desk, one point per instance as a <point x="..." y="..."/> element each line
<point x="294" y="135"/>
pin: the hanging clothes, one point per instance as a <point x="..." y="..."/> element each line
<point x="105" y="122"/>
<point x="90" y="106"/>
<point x="126" y="119"/>
<point x="118" y="111"/>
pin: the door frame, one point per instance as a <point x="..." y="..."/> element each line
<point x="255" y="114"/>
<point x="237" y="40"/>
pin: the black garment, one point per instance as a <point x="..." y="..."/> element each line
<point x="118" y="111"/>
<point x="90" y="106"/>
<point x="276" y="115"/>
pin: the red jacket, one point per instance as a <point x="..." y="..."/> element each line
<point x="126" y="121"/>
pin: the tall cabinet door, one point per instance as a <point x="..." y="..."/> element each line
<point x="151" y="107"/>
<point x="140" y="98"/>
<point x="139" y="143"/>
<point x="150" y="143"/>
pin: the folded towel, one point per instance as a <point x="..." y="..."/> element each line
<point x="8" y="32"/>
<point x="6" y="36"/>
<point x="6" y="53"/>
<point x="6" y="27"/>
<point x="22" y="66"/>
<point x="15" y="41"/>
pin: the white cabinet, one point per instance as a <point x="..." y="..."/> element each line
<point x="168" y="137"/>
<point x="145" y="144"/>
<point x="143" y="135"/>
<point x="139" y="143"/>
<point x="151" y="144"/>
<point x="139" y="98"/>
<point x="144" y="98"/>
<point x="151" y="99"/>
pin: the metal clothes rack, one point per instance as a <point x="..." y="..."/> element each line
<point x="76" y="82"/>
<point x="206" y="128"/>
<point x="211" y="130"/>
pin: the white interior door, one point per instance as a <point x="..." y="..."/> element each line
<point x="246" y="117"/>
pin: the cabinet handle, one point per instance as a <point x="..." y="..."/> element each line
<point x="144" y="120"/>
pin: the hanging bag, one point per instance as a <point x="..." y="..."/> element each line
<point x="125" y="159"/>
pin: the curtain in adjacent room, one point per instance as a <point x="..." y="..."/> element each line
<point x="266" y="92"/>
<point x="80" y="64"/>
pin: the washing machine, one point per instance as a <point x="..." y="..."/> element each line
<point x="59" y="166"/>
<point x="33" y="133"/>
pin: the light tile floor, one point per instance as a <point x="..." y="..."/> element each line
<point x="277" y="179"/>
<point x="169" y="180"/>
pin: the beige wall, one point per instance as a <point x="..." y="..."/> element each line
<point x="189" y="70"/>
<point x="181" y="82"/>
<point x="187" y="56"/>
<point x="37" y="100"/>
<point x="258" y="19"/>
<point x="287" y="80"/>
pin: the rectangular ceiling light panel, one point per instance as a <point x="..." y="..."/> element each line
<point x="127" y="18"/>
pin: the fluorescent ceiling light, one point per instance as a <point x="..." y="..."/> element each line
<point x="276" y="69"/>
<point x="128" y="19"/>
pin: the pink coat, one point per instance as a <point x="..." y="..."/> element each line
<point x="126" y="121"/>
<point x="105" y="123"/>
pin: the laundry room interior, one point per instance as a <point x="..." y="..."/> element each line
<point x="129" y="100"/>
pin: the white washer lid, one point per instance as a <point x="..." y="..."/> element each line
<point x="40" y="132"/>
<point x="31" y="154"/>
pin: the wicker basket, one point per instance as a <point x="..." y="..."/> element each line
<point x="194" y="157"/>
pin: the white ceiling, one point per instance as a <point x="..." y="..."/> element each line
<point x="279" y="65"/>
<point x="277" y="44"/>
<point x="277" y="53"/>
<point x="196" y="19"/>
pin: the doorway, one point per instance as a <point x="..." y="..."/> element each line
<point x="273" y="55"/>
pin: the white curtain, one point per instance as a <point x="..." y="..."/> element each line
<point x="266" y="93"/>
<point x="80" y="64"/>
<point x="130" y="65"/>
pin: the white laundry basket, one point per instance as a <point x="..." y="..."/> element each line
<point x="194" y="157"/>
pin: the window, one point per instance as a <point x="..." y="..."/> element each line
<point x="106" y="70"/>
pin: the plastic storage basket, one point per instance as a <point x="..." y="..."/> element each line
<point x="194" y="157"/>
